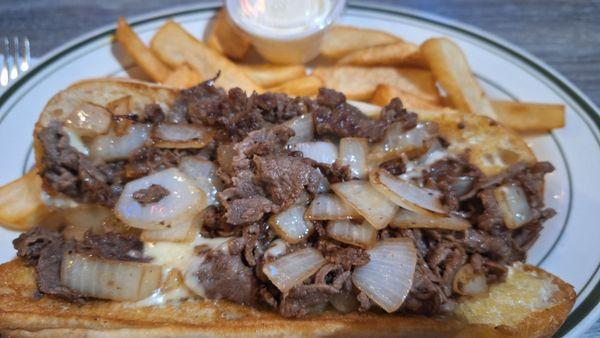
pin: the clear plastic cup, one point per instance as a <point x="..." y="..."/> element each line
<point x="280" y="31"/>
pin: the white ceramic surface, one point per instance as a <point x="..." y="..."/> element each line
<point x="568" y="244"/>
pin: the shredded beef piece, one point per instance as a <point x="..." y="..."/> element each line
<point x="301" y="299"/>
<point x="365" y="302"/>
<point x="44" y="249"/>
<point x="283" y="177"/>
<point x="146" y="161"/>
<point x="338" y="118"/>
<point x="223" y="275"/>
<point x="67" y="171"/>
<point x="482" y="242"/>
<point x="248" y="210"/>
<point x="532" y="182"/>
<point x="347" y="257"/>
<point x="214" y="224"/>
<point x="335" y="173"/>
<point x="234" y="113"/>
<point x="154" y="114"/>
<point x="154" y="193"/>
<point x="394" y="166"/>
<point x="454" y="178"/>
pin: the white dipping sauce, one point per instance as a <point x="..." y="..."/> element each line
<point x="285" y="31"/>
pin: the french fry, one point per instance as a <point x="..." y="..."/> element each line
<point x="359" y="83"/>
<point x="519" y="116"/>
<point x="182" y="77"/>
<point x="394" y="54"/>
<point x="141" y="54"/>
<point x="529" y="117"/>
<point x="21" y="205"/>
<point x="341" y="40"/>
<point x="304" y="86"/>
<point x="451" y="69"/>
<point x="174" y="46"/>
<point x="268" y="75"/>
<point x="226" y="39"/>
<point x="384" y="94"/>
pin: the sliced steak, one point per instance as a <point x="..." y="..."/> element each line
<point x="303" y="298"/>
<point x="153" y="194"/>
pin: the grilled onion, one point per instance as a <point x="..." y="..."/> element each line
<point x="468" y="282"/>
<point x="302" y="127"/>
<point x="329" y="207"/>
<point x="319" y="151"/>
<point x="291" y="225"/>
<point x="204" y="173"/>
<point x="181" y="136"/>
<point x="367" y="201"/>
<point x="89" y="119"/>
<point x="111" y="147"/>
<point x="183" y="202"/>
<point x="108" y="279"/>
<point x="362" y="235"/>
<point x="388" y="276"/>
<point x="182" y="232"/>
<point x="397" y="141"/>
<point x="407" y="195"/>
<point x="514" y="206"/>
<point x="407" y="219"/>
<point x="353" y="152"/>
<point x="276" y="249"/>
<point x="290" y="270"/>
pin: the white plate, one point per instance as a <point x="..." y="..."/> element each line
<point x="568" y="245"/>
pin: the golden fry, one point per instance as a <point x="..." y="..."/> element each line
<point x="175" y="46"/>
<point x="529" y="117"/>
<point x="268" y="75"/>
<point x="226" y="39"/>
<point x="384" y="94"/>
<point x="519" y="116"/>
<point x="141" y="54"/>
<point x="359" y="83"/>
<point x="341" y="40"/>
<point x="395" y="54"/>
<point x="21" y="205"/>
<point x="182" y="77"/>
<point x="451" y="70"/>
<point x="304" y="86"/>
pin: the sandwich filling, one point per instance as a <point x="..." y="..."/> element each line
<point x="319" y="206"/>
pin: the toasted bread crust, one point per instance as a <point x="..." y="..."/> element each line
<point x="21" y="314"/>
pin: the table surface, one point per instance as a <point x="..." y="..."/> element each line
<point x="563" y="33"/>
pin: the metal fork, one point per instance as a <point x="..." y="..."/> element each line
<point x="16" y="59"/>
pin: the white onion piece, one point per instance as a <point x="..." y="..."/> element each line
<point x="406" y="219"/>
<point x="84" y="218"/>
<point x="181" y="136"/>
<point x="514" y="206"/>
<point x="109" y="279"/>
<point x="468" y="282"/>
<point x="367" y="201"/>
<point x="396" y="141"/>
<point x="183" y="202"/>
<point x="353" y="152"/>
<point x="276" y="249"/>
<point x="292" y="269"/>
<point x="362" y="235"/>
<point x="303" y="128"/>
<point x="176" y="233"/>
<point x="111" y="147"/>
<point x="291" y="225"/>
<point x="368" y="109"/>
<point x="319" y="151"/>
<point x="330" y="207"/>
<point x="407" y="195"/>
<point x="388" y="276"/>
<point x="89" y="119"/>
<point x="323" y="184"/>
<point x="204" y="173"/>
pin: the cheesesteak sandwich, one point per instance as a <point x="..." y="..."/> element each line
<point x="208" y="212"/>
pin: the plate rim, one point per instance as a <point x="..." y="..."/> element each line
<point x="588" y="311"/>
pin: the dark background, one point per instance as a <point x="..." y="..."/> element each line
<point x="563" y="33"/>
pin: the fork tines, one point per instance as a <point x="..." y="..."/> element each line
<point x="16" y="58"/>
